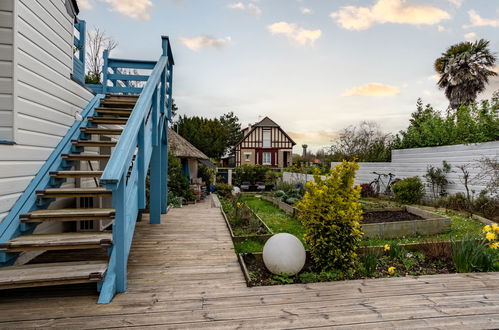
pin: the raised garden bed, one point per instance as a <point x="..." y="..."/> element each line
<point x="417" y="259"/>
<point x="255" y="229"/>
<point x="403" y="222"/>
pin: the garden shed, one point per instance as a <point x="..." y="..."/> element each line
<point x="189" y="155"/>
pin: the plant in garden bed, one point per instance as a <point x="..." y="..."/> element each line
<point x="477" y="254"/>
<point x="241" y="218"/>
<point x="331" y="213"/>
<point x="409" y="190"/>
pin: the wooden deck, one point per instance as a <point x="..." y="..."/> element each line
<point x="184" y="274"/>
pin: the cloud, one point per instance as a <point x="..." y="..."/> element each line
<point x="295" y="33"/>
<point x="372" y="89"/>
<point x="457" y="3"/>
<point x="388" y="11"/>
<point x="470" y="36"/>
<point x="314" y="138"/>
<point x="250" y="8"/>
<point x="84" y="4"/>
<point x="200" y="42"/>
<point x="477" y="21"/>
<point x="137" y="9"/>
<point x="440" y="28"/>
<point x="434" y="77"/>
<point x="305" y="11"/>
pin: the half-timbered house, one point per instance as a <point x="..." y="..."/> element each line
<point x="265" y="143"/>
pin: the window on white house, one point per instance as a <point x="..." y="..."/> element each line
<point x="247" y="156"/>
<point x="266" y="158"/>
<point x="266" y="138"/>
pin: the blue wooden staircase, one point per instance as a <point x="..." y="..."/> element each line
<point x="128" y="118"/>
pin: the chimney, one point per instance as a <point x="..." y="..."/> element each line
<point x="304" y="146"/>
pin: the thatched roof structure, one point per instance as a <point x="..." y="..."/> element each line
<point x="182" y="148"/>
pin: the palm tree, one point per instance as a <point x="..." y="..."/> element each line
<point x="464" y="71"/>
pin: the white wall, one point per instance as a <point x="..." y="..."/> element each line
<point x="414" y="162"/>
<point x="6" y="57"/>
<point x="45" y="97"/>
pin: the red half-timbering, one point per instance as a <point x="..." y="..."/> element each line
<point x="265" y="143"/>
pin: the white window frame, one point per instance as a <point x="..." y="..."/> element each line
<point x="247" y="156"/>
<point x="266" y="161"/>
<point x="267" y="138"/>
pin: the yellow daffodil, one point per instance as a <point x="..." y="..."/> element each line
<point x="386" y="247"/>
<point x="495" y="227"/>
<point x="487" y="229"/>
<point x="239" y="204"/>
<point x="494" y="245"/>
<point x="391" y="270"/>
<point x="490" y="236"/>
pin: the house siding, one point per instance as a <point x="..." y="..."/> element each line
<point x="6" y="71"/>
<point x="45" y="98"/>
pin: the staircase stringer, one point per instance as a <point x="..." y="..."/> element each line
<point x="11" y="225"/>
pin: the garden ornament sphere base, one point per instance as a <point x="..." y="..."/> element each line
<point x="284" y="254"/>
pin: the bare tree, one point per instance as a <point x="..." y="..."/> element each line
<point x="364" y="142"/>
<point x="97" y="42"/>
<point x="489" y="174"/>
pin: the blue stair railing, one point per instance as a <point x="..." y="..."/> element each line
<point x="142" y="145"/>
<point x="79" y="44"/>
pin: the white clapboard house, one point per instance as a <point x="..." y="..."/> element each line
<point x="74" y="157"/>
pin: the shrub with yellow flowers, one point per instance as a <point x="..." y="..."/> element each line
<point x="331" y="213"/>
<point x="491" y="235"/>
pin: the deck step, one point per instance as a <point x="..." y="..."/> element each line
<point x="76" y="174"/>
<point x="48" y="274"/>
<point x="101" y="131"/>
<point x="63" y="241"/>
<point x="114" y="111"/>
<point x="108" y="120"/>
<point x="118" y="103"/>
<point x="84" y="157"/>
<point x="88" y="143"/>
<point x="61" y="215"/>
<point x="73" y="192"/>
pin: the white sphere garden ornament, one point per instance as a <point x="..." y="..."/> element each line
<point x="284" y="254"/>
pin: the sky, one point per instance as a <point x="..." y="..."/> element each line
<point x="313" y="66"/>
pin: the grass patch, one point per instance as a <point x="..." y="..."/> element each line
<point x="277" y="220"/>
<point x="249" y="246"/>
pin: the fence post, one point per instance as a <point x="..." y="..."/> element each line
<point x="164" y="168"/>
<point x="155" y="193"/>
<point x="119" y="234"/>
<point x="105" y="56"/>
<point x="142" y="171"/>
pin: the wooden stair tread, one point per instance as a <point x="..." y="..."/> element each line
<point x="118" y="103"/>
<point x="51" y="274"/>
<point x="62" y="241"/>
<point x="66" y="213"/>
<point x="84" y="157"/>
<point x="74" y="192"/>
<point x="76" y="174"/>
<point x="108" y="120"/>
<point x="88" y="143"/>
<point x="114" y="111"/>
<point x="101" y="131"/>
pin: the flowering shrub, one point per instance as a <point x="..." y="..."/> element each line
<point x="331" y="213"/>
<point x="482" y="254"/>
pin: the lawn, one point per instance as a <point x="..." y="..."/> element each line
<point x="280" y="222"/>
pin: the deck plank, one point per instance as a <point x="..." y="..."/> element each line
<point x="184" y="274"/>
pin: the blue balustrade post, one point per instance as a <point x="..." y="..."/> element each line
<point x="105" y="56"/>
<point x="155" y="119"/>
<point x="164" y="168"/>
<point x="170" y="88"/>
<point x="142" y="168"/>
<point x="155" y="193"/>
<point x="83" y="36"/>
<point x="119" y="234"/>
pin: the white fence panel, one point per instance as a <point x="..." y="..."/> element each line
<point x="414" y="162"/>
